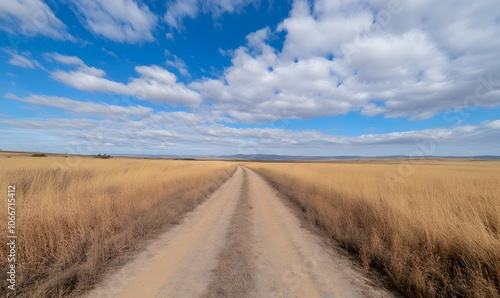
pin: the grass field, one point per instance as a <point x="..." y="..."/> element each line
<point x="75" y="214"/>
<point x="435" y="231"/>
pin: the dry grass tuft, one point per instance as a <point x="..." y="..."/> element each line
<point x="434" y="233"/>
<point x="72" y="221"/>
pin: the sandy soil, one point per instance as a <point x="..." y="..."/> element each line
<point x="205" y="255"/>
<point x="293" y="262"/>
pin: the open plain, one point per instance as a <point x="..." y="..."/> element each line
<point x="125" y="227"/>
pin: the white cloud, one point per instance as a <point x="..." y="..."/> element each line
<point x="30" y="18"/>
<point x="164" y="131"/>
<point x="85" y="108"/>
<point x="22" y="59"/>
<point x="64" y="59"/>
<point x="110" y="53"/>
<point x="159" y="85"/>
<point x="85" y="78"/>
<point x="323" y="30"/>
<point x="169" y="35"/>
<point x="178" y="64"/>
<point x="416" y="60"/>
<point x="154" y="83"/>
<point x="119" y="20"/>
<point x="177" y="10"/>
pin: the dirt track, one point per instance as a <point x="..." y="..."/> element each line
<point x="205" y="255"/>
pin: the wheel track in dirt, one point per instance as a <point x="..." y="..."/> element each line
<point x="206" y="255"/>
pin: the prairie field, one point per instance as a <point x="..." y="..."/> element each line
<point x="431" y="226"/>
<point x="75" y="215"/>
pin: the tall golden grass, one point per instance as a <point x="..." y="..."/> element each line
<point x="433" y="233"/>
<point x="73" y="221"/>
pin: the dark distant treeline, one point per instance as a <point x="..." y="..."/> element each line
<point x="103" y="156"/>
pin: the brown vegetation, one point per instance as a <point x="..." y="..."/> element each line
<point x="435" y="232"/>
<point x="75" y="216"/>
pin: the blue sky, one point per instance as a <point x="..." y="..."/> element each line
<point x="318" y="77"/>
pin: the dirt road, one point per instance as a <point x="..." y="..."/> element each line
<point x="242" y="242"/>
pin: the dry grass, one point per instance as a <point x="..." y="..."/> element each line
<point x="434" y="233"/>
<point x="72" y="221"/>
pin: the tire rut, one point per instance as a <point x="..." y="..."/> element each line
<point x="241" y="242"/>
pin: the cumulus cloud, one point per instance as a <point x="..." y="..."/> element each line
<point x="125" y="21"/>
<point x="392" y="58"/>
<point x="85" y="78"/>
<point x="177" y="10"/>
<point x="30" y="18"/>
<point x="396" y="58"/>
<point x="154" y="83"/>
<point x="159" y="85"/>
